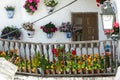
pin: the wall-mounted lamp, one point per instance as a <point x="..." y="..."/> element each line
<point x="108" y="18"/>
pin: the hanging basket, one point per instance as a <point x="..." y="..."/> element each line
<point x="50" y="9"/>
<point x="49" y="35"/>
<point x="10" y="13"/>
<point x="30" y="34"/>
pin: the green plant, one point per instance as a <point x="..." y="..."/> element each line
<point x="50" y="3"/>
<point x="10" y="31"/>
<point x="10" y="8"/>
<point x="44" y="63"/>
<point x="36" y="60"/>
<point x="31" y="5"/>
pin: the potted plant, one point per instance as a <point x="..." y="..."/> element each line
<point x="10" y="32"/>
<point x="50" y="4"/>
<point x="29" y="28"/>
<point x="31" y="5"/>
<point x="36" y="62"/>
<point x="44" y="65"/>
<point x="49" y="29"/>
<point x="10" y="11"/>
<point x="114" y="32"/>
<point x="66" y="27"/>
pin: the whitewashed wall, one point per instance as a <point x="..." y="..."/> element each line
<point x="62" y="16"/>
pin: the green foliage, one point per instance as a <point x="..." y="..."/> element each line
<point x="11" y="8"/>
<point x="49" y="28"/>
<point x="44" y="63"/>
<point x="11" y="31"/>
<point x="50" y="3"/>
<point x="36" y="60"/>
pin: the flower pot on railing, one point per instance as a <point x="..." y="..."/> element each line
<point x="68" y="34"/>
<point x="30" y="34"/>
<point x="49" y="35"/>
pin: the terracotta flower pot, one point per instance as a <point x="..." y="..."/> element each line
<point x="84" y="71"/>
<point x="96" y="71"/>
<point x="52" y="71"/>
<point x="90" y="71"/>
<point x="46" y="71"/>
<point x="79" y="71"/>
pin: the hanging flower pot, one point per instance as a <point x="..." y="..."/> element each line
<point x="31" y="6"/>
<point x="50" y="9"/>
<point x="50" y="4"/>
<point x="10" y="11"/>
<point x="10" y="14"/>
<point x="49" y="35"/>
<point x="68" y="34"/>
<point x="30" y="34"/>
<point x="49" y="29"/>
<point x="29" y="28"/>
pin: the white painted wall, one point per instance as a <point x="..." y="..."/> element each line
<point x="62" y="16"/>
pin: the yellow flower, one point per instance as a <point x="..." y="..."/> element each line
<point x="3" y="53"/>
<point x="79" y="62"/>
<point x="95" y="60"/>
<point x="96" y="56"/>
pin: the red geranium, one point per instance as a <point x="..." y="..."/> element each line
<point x="49" y="28"/>
<point x="54" y="51"/>
<point x="99" y="2"/>
<point x="73" y="52"/>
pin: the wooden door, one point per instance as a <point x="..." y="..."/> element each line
<point x="87" y="24"/>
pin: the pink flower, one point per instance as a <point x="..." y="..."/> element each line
<point x="36" y="5"/>
<point x="30" y="1"/>
<point x="37" y="1"/>
<point x="98" y="5"/>
<point x="31" y="7"/>
<point x="107" y="31"/>
<point x="23" y="6"/>
<point x="98" y="1"/>
<point x="41" y="27"/>
<point x="46" y="30"/>
<point x="52" y="30"/>
<point x="116" y="24"/>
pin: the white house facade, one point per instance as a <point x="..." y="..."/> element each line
<point x="57" y="18"/>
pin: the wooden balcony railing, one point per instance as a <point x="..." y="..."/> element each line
<point x="84" y="58"/>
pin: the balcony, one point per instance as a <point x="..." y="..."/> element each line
<point x="69" y="59"/>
